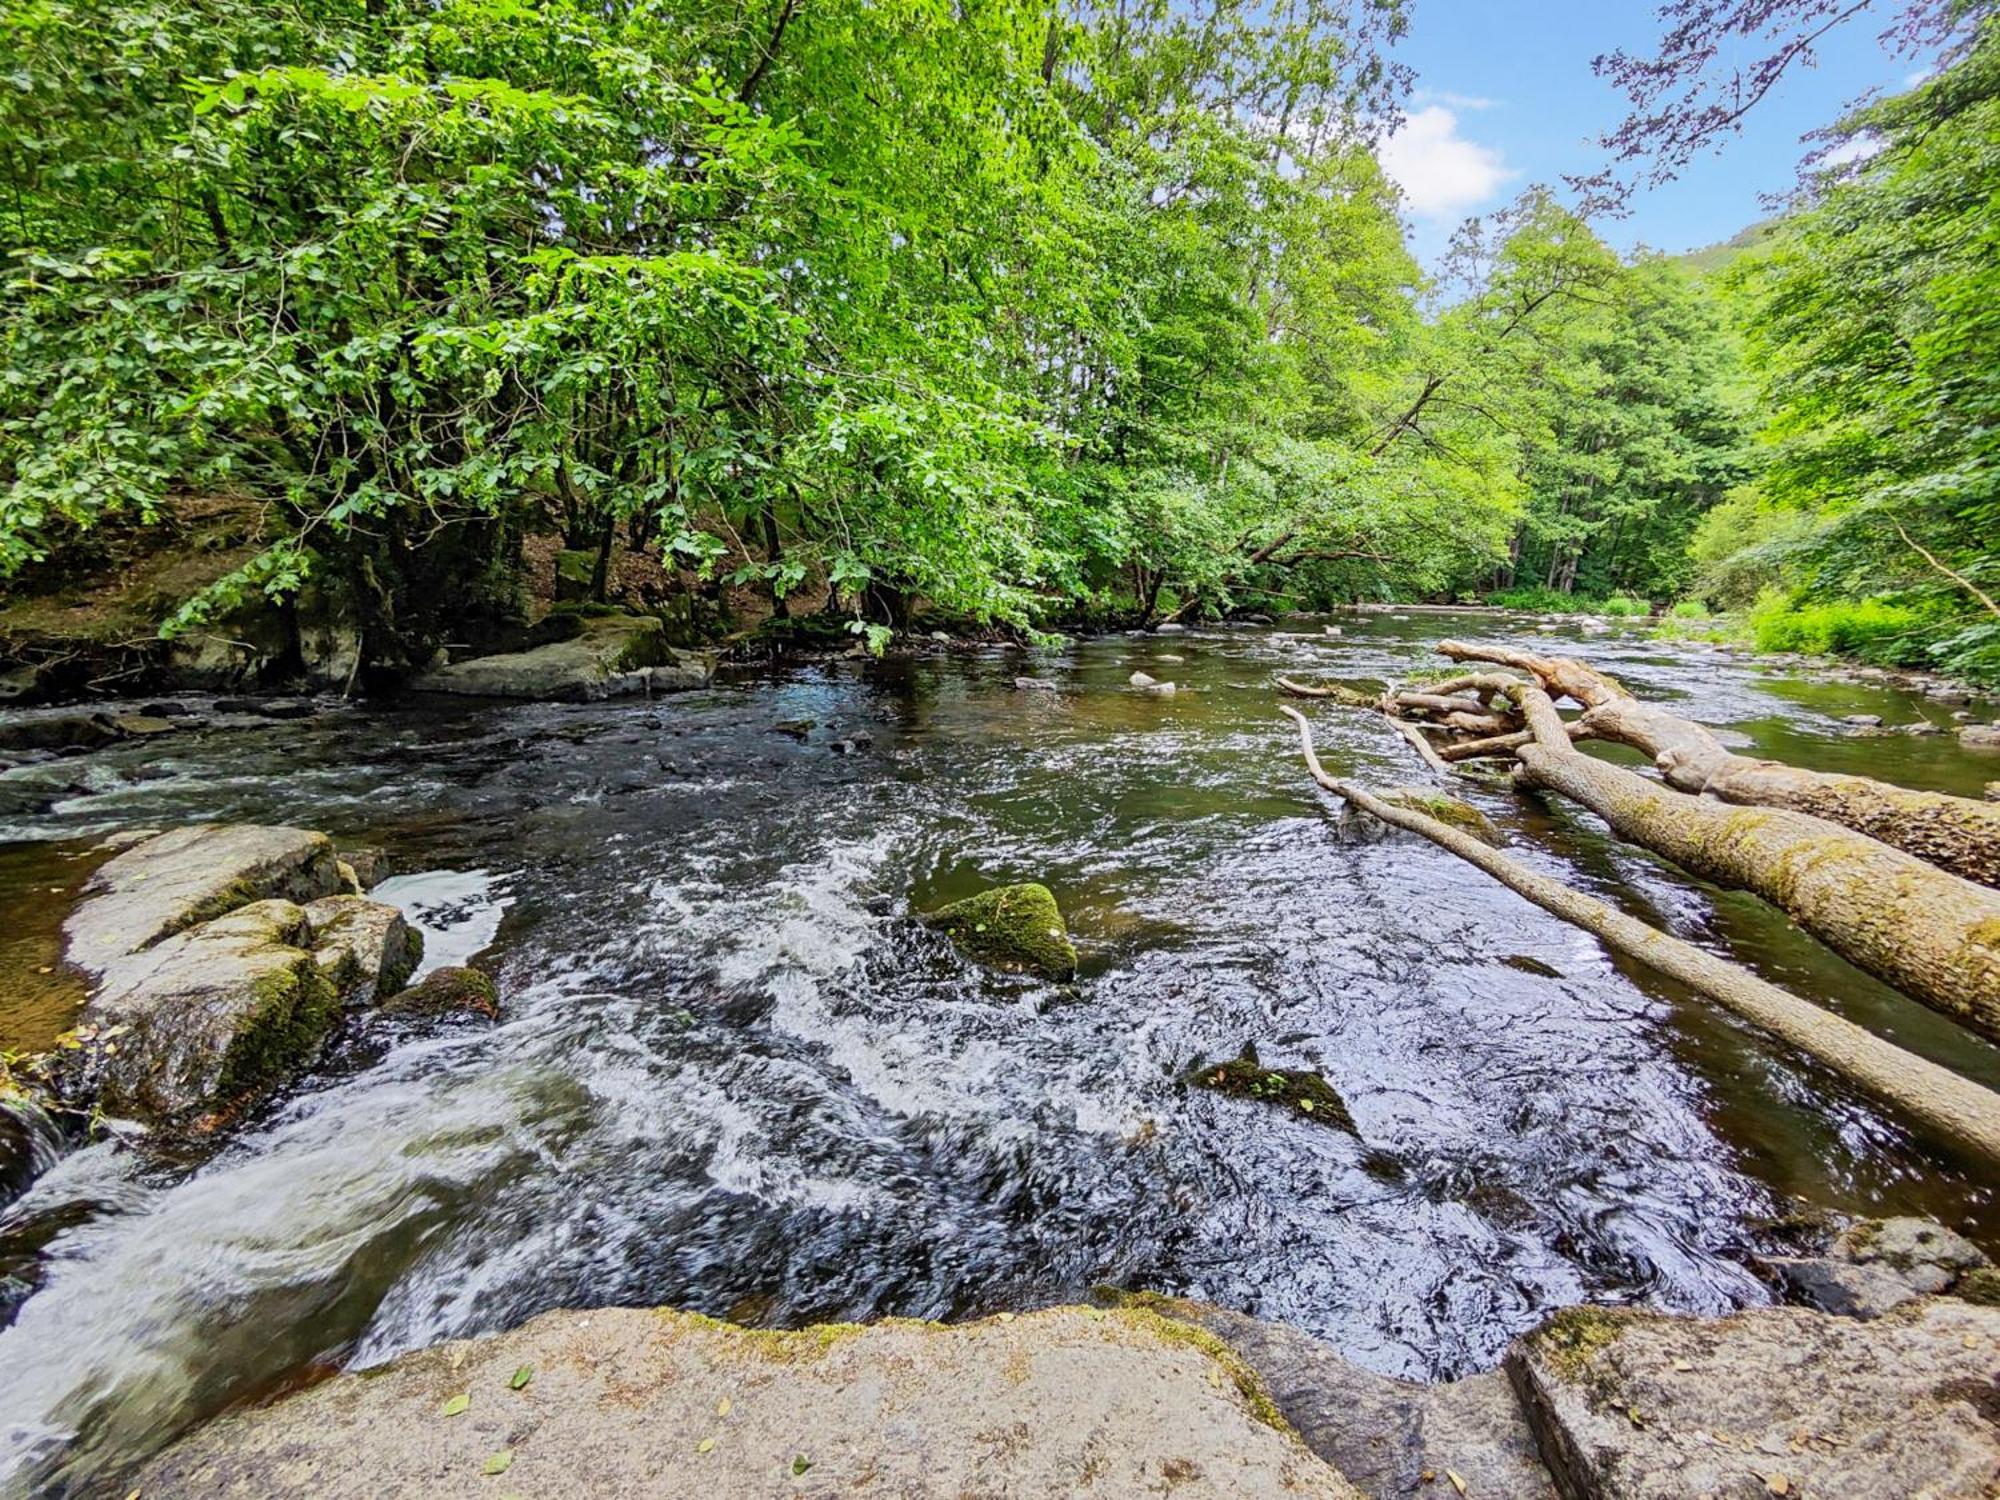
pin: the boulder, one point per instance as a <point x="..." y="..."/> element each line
<point x="1772" y="1401"/>
<point x="60" y="732"/>
<point x="177" y="879"/>
<point x="1141" y="680"/>
<point x="206" y="1018"/>
<point x="1980" y="736"/>
<point x="1923" y="1253"/>
<point x="624" y="1401"/>
<point x="1388" y="1437"/>
<point x="609" y="656"/>
<point x="1014" y="927"/>
<point x="364" y="947"/>
<point x="450" y="990"/>
<point x="1838" y="1287"/>
<point x="370" y="867"/>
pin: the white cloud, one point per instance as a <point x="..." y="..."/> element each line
<point x="1853" y="149"/>
<point x="1455" y="101"/>
<point x="1442" y="174"/>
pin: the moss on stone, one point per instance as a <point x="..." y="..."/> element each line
<point x="1574" y="1337"/>
<point x="1981" y="1285"/>
<point x="1302" y="1093"/>
<point x="1018" y="928"/>
<point x="778" y="1345"/>
<point x="291" y="1012"/>
<point x="1173" y="1330"/>
<point x="446" y="991"/>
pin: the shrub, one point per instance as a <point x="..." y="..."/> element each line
<point x="1625" y="604"/>
<point x="1689" y="609"/>
<point x="1870" y="628"/>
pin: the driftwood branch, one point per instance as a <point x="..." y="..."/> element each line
<point x="1954" y="1107"/>
<point x="1953" y="833"/>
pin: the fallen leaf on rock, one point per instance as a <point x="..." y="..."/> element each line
<point x="500" y="1462"/>
<point x="704" y="1445"/>
<point x="1777" y="1484"/>
<point x="800" y="1464"/>
<point x="722" y="1407"/>
<point x="521" y="1377"/>
<point x="1456" y="1483"/>
<point x="457" y="1403"/>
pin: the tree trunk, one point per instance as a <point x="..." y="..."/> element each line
<point x="1953" y="833"/>
<point x="1932" y="935"/>
<point x="1955" y="1107"/>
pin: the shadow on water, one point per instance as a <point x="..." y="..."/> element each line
<point x="734" y="1075"/>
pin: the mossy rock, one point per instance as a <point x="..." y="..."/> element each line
<point x="444" y="992"/>
<point x="1981" y="1285"/>
<point x="1449" y="811"/>
<point x="1294" y="1090"/>
<point x="1018" y="928"/>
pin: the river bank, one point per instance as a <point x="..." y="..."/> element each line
<point x="732" y="1075"/>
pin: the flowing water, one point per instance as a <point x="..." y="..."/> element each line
<point x="734" y="1075"/>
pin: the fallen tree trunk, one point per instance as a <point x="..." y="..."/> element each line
<point x="1954" y="1107"/>
<point x="1932" y="935"/>
<point x="1954" y="833"/>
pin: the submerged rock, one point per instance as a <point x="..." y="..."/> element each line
<point x="624" y="1402"/>
<point x="1141" y="680"/>
<point x="610" y="655"/>
<point x="1014" y="927"/>
<point x="1296" y="1090"/>
<point x="177" y="879"/>
<point x="451" y="990"/>
<point x="1772" y="1401"/>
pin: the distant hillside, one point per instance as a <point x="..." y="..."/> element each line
<point x="1712" y="258"/>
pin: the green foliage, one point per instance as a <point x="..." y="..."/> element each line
<point x="1536" y="599"/>
<point x="1874" y="629"/>
<point x="1625" y="605"/>
<point x="1689" y="609"/>
<point x="1874" y="323"/>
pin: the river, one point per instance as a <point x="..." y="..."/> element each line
<point x="734" y="1075"/>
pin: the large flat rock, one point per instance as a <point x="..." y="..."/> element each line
<point x="1062" y="1403"/>
<point x="180" y="878"/>
<point x="1773" y="1401"/>
<point x="611" y="655"/>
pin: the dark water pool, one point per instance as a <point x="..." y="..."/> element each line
<point x="734" y="1075"/>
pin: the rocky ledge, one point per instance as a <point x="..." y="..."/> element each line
<point x="608" y="656"/>
<point x="1142" y="1395"/>
<point x="220" y="956"/>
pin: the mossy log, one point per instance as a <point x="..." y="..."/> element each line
<point x="1929" y="933"/>
<point x="1954" y="833"/>
<point x="1956" y="1108"/>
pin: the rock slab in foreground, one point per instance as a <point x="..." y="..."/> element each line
<point x="627" y="1402"/>
<point x="180" y="878"/>
<point x="611" y="655"/>
<point x="1774" y="1401"/>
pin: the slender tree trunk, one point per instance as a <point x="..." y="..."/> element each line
<point x="1932" y="935"/>
<point x="1955" y="1107"/>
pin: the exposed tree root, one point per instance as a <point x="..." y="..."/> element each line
<point x="1954" y="1107"/>
<point x="1953" y="833"/>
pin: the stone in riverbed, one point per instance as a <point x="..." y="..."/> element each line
<point x="610" y="655"/>
<point x="1014" y="927"/>
<point x="450" y="990"/>
<point x="205" y="1018"/>
<point x="1980" y="736"/>
<point x="364" y="947"/>
<point x="177" y="879"/>
<point x="1297" y="1091"/>
<point x="626" y="1402"/>
<point x="1772" y="1401"/>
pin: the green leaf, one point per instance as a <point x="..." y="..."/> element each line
<point x="800" y="1464"/>
<point x="457" y="1404"/>
<point x="521" y="1377"/>
<point x="500" y="1462"/>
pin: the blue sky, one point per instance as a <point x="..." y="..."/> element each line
<point x="1505" y="97"/>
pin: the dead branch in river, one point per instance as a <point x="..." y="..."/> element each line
<point x="1955" y="1107"/>
<point x="1954" y="833"/>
